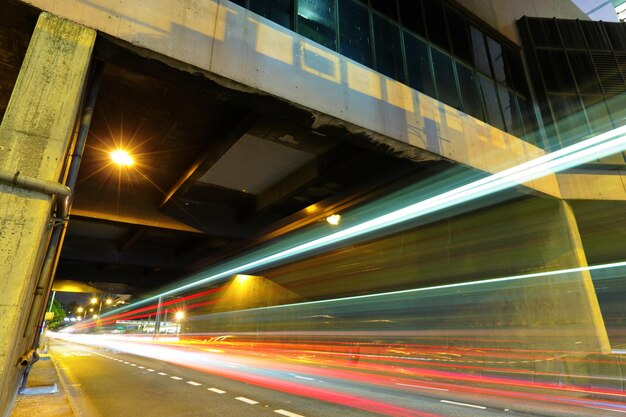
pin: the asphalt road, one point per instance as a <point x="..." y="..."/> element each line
<point x="105" y="381"/>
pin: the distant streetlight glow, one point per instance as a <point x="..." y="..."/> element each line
<point x="122" y="158"/>
<point x="94" y="300"/>
<point x="109" y="301"/>
<point x="333" y="219"/>
<point x="180" y="315"/>
<point x="241" y="278"/>
<point x="80" y="309"/>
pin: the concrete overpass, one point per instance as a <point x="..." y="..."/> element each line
<point x="242" y="131"/>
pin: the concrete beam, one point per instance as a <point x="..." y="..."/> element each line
<point x="593" y="186"/>
<point x="34" y="139"/>
<point x="239" y="49"/>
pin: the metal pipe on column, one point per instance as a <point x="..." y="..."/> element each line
<point x="44" y="284"/>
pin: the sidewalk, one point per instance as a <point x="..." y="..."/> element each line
<point x="45" y="394"/>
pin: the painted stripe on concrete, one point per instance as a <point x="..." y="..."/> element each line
<point x="162" y="373"/>
<point x="218" y="391"/>
<point x="464" y="404"/>
<point x="287" y="413"/>
<point x="421" y="386"/>
<point x="246" y="400"/>
<point x="195" y="384"/>
<point x="177" y="378"/>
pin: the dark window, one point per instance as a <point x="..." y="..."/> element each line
<point x="584" y="72"/>
<point x="572" y="34"/>
<point x="386" y="7"/>
<point x="490" y="98"/>
<point x="569" y="118"/>
<point x="530" y="121"/>
<point x="617" y="107"/>
<point x="479" y="51"/>
<point x="544" y="32"/>
<point x="354" y="32"/>
<point x="469" y="91"/>
<point x="444" y="79"/>
<point x="512" y="116"/>
<point x="411" y="16"/>
<point x="497" y="60"/>
<point x="513" y="62"/>
<point x="279" y="11"/>
<point x="617" y="35"/>
<point x="459" y="35"/>
<point x="595" y="35"/>
<point x="436" y="23"/>
<point x="597" y="112"/>
<point x="242" y="3"/>
<point x="556" y="73"/>
<point x="316" y="21"/>
<point x="418" y="64"/>
<point x="387" y="47"/>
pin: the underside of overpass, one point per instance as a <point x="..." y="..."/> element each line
<point x="219" y="167"/>
<point x="216" y="170"/>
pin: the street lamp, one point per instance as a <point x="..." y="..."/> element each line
<point x="334" y="219"/>
<point x="180" y="315"/>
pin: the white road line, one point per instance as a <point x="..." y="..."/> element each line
<point x="127" y="363"/>
<point x="132" y="364"/>
<point x="246" y="400"/>
<point x="609" y="409"/>
<point x="150" y="370"/>
<point x="195" y="384"/>
<point x="218" y="391"/>
<point x="304" y="377"/>
<point x="176" y="378"/>
<point x="464" y="404"/>
<point x="421" y="386"/>
<point x="141" y="367"/>
<point x="287" y="413"/>
<point x="162" y="373"/>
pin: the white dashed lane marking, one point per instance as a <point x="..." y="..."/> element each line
<point x="421" y="386"/>
<point x="287" y="413"/>
<point x="246" y="400"/>
<point x="464" y="404"/>
<point x="250" y="401"/>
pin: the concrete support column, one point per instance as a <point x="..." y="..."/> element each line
<point x="34" y="139"/>
<point x="575" y="256"/>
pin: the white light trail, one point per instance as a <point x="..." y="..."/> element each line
<point x="596" y="147"/>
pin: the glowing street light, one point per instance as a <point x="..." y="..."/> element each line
<point x="94" y="300"/>
<point x="180" y="315"/>
<point x="80" y="309"/>
<point x="241" y="278"/>
<point x="333" y="219"/>
<point x="108" y="301"/>
<point x="122" y="158"/>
